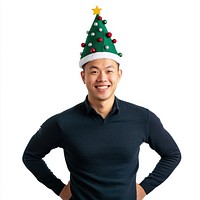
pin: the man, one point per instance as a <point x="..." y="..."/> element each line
<point x="101" y="136"/>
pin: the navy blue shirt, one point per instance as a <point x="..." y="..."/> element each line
<point x="102" y="154"/>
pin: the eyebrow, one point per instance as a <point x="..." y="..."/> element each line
<point x="95" y="67"/>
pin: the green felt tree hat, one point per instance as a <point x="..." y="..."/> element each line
<point x="99" y="43"/>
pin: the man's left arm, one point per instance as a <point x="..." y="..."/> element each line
<point x="163" y="143"/>
<point x="140" y="192"/>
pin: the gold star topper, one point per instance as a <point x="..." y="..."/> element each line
<point x="96" y="11"/>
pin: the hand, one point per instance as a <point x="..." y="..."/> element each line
<point x="66" y="192"/>
<point x="140" y="192"/>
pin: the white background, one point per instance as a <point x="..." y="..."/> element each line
<point x="40" y="46"/>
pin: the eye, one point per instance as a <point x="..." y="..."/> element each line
<point x="94" y="72"/>
<point x="109" y="71"/>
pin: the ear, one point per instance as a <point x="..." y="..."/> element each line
<point x="119" y="75"/>
<point x="83" y="76"/>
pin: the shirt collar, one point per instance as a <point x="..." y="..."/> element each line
<point x="88" y="109"/>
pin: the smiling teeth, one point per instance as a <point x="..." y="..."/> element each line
<point x="102" y="87"/>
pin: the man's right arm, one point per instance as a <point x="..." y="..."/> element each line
<point x="46" y="139"/>
<point x="66" y="192"/>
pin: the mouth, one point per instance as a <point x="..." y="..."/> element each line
<point x="102" y="87"/>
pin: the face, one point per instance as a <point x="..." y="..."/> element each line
<point x="101" y="77"/>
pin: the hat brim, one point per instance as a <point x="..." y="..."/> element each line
<point x="99" y="55"/>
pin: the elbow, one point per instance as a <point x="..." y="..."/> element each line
<point x="24" y="158"/>
<point x="179" y="156"/>
<point x="175" y="157"/>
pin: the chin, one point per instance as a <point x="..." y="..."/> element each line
<point x="104" y="97"/>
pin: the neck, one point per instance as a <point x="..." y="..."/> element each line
<point x="102" y="107"/>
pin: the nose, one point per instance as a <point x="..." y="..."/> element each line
<point x="102" y="77"/>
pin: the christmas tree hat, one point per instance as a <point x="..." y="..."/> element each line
<point x="98" y="43"/>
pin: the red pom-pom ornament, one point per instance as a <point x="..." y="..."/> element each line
<point x="99" y="18"/>
<point x="109" y="34"/>
<point x="114" y="40"/>
<point x="82" y="44"/>
<point x="92" y="50"/>
<point x="100" y="39"/>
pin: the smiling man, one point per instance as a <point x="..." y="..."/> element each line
<point x="101" y="77"/>
<point x="102" y="135"/>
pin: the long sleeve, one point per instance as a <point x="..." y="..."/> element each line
<point x="163" y="143"/>
<point x="46" y="139"/>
